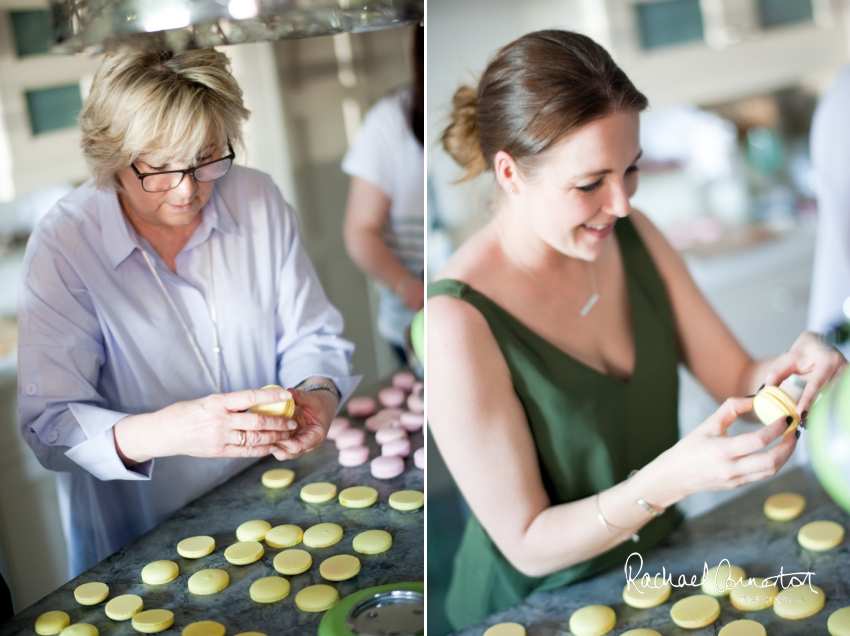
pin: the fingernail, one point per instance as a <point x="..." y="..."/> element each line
<point x="804" y="414"/>
<point x="797" y="433"/>
<point x="788" y="420"/>
<point x="292" y="426"/>
<point x="761" y="387"/>
<point x="753" y="395"/>
<point x="803" y="423"/>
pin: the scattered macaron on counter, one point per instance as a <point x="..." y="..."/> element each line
<point x="277" y="545"/>
<point x="786" y="525"/>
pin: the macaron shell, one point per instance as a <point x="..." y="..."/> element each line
<point x="353" y="456"/>
<point x="278" y="409"/>
<point x="254" y="530"/>
<point x="593" y="620"/>
<point x="322" y="535"/>
<point x="244" y="552"/>
<point x="384" y="467"/>
<point x="743" y="627"/>
<point x="292" y="562"/>
<point x="361" y="407"/>
<point x="641" y="596"/>
<point x="358" y="497"/>
<point x="338" y="425"/>
<point x="196" y="547"/>
<point x="696" y="611"/>
<point x="52" y="622"/>
<point x="204" y="628"/>
<point x="91" y="593"/>
<point x="206" y="582"/>
<point x="160" y="572"/>
<point x="505" y="629"/>
<point x="277" y="478"/>
<point x="153" y="621"/>
<point x="340" y="567"/>
<point x="372" y="542"/>
<point x="819" y="536"/>
<point x="269" y="589"/>
<point x="284" y="536"/>
<point x="316" y="598"/>
<point x="784" y="506"/>
<point x="318" y="492"/>
<point x="396" y="448"/>
<point x="406" y="500"/>
<point x="799" y="602"/>
<point x="350" y="437"/>
<point x="124" y="607"/>
<point x="839" y="622"/>
<point x="772" y="403"/>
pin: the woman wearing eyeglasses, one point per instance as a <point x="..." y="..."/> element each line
<point x="156" y="298"/>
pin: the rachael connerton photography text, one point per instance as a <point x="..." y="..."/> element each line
<point x="649" y="581"/>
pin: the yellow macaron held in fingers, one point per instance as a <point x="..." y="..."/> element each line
<point x="772" y="403"/>
<point x="278" y="409"/>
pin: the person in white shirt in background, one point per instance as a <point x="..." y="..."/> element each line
<point x="830" y="152"/>
<point x="385" y="217"/>
<point x="157" y="298"/>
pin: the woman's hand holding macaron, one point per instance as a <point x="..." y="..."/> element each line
<point x="810" y="358"/>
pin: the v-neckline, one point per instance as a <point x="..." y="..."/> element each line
<point x="632" y="295"/>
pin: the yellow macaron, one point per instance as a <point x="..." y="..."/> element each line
<point x="153" y="621"/>
<point x="772" y="403"/>
<point x="278" y="409"/>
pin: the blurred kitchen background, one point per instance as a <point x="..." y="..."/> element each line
<point x="726" y="174"/>
<point x="307" y="98"/>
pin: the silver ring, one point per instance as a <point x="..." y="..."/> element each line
<point x="242" y="438"/>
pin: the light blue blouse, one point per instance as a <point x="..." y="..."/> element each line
<point x="99" y="340"/>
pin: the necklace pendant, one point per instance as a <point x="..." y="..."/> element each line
<point x="589" y="305"/>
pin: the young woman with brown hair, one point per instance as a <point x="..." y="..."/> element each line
<point x="554" y="336"/>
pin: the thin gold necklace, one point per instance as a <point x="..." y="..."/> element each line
<point x="584" y="309"/>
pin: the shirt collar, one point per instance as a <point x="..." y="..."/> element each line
<point x="120" y="239"/>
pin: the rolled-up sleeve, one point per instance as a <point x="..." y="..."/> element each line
<point x="62" y="416"/>
<point x="309" y="328"/>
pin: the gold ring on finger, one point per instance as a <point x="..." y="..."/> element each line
<point x="242" y="438"/>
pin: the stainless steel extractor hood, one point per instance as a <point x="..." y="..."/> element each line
<point x="94" y="26"/>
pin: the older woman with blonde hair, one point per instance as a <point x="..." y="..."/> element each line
<point x="157" y="298"/>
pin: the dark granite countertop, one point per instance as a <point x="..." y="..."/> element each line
<point x="218" y="514"/>
<point x="737" y="531"/>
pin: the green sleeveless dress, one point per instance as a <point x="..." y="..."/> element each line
<point x="590" y="429"/>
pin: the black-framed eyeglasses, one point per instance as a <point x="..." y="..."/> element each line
<point x="163" y="181"/>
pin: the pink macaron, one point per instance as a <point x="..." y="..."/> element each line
<point x="386" y="467"/>
<point x="410" y="421"/>
<point x="350" y="437"/>
<point x="338" y="425"/>
<point x="353" y="456"/>
<point x="397" y="448"/>
<point x="392" y="396"/>
<point x="415" y="403"/>
<point x="419" y="458"/>
<point x="383" y="419"/>
<point x="404" y="380"/>
<point x="361" y="406"/>
<point x="386" y="435"/>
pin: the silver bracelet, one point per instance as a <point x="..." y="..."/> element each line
<point x="321" y="386"/>
<point x="655" y="512"/>
<point x="635" y="538"/>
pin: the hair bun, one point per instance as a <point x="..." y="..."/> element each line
<point x="461" y="139"/>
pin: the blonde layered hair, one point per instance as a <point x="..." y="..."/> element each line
<point x="166" y="106"/>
